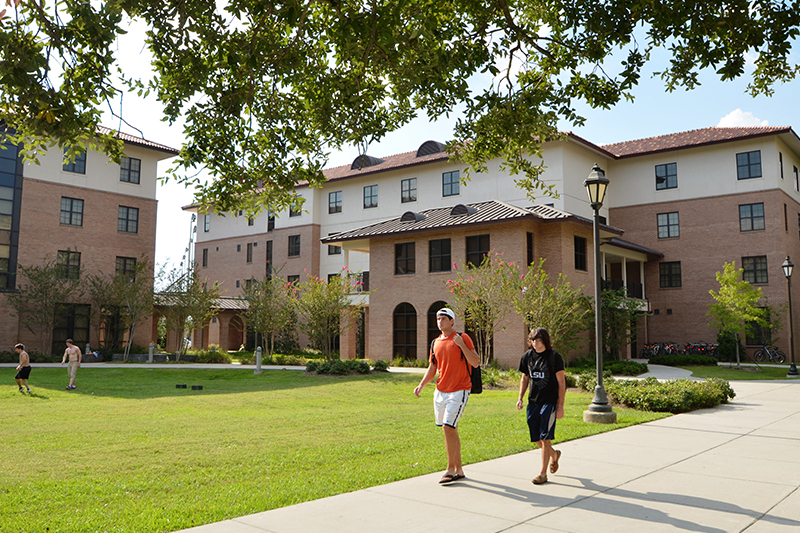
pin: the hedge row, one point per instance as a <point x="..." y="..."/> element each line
<point x="674" y="396"/>
<point x="359" y="366"/>
<point x="682" y="360"/>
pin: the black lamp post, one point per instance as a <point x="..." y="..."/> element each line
<point x="599" y="410"/>
<point x="787" y="267"/>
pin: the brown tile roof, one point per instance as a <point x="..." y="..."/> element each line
<point x="689" y="139"/>
<point x="139" y="141"/>
<point x="392" y="162"/>
<point x="481" y="213"/>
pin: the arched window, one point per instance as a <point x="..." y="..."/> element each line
<point x="433" y="329"/>
<point x="405" y="331"/>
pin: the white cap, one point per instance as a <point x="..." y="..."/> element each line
<point x="447" y="312"/>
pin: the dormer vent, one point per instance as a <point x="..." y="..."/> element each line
<point x="461" y="209"/>
<point x="430" y="147"/>
<point x="364" y="161"/>
<point x="411" y="216"/>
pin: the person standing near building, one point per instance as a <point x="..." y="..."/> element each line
<point x="24" y="368"/>
<point x="449" y="358"/>
<point x="543" y="373"/>
<point x="74" y="354"/>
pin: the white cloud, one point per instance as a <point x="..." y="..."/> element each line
<point x="739" y="118"/>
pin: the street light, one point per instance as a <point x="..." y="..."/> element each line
<point x="787" y="267"/>
<point x="599" y="410"/>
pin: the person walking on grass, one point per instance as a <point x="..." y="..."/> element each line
<point x="74" y="354"/>
<point x="543" y="374"/>
<point x="24" y="368"/>
<point x="451" y="354"/>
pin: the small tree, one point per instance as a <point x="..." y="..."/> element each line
<point x="269" y="308"/>
<point x="619" y="315"/>
<point x="484" y="297"/>
<point x="40" y="291"/>
<point x="188" y="304"/>
<point x="565" y="312"/>
<point x="323" y="304"/>
<point x="735" y="306"/>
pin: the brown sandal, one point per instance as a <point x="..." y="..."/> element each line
<point x="540" y="480"/>
<point x="554" y="462"/>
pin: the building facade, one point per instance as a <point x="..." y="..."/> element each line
<point x="90" y="216"/>
<point x="678" y="207"/>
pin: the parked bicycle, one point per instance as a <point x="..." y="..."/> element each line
<point x="770" y="353"/>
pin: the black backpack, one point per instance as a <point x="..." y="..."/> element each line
<point x="474" y="372"/>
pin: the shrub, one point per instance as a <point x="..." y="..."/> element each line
<point x="412" y="363"/>
<point x="290" y="360"/>
<point x="381" y="365"/>
<point x="726" y="351"/>
<point x="209" y="356"/>
<point x="674" y="396"/>
<point x="682" y="360"/>
<point x="360" y="366"/>
<point x="625" y="368"/>
<point x="13" y="357"/>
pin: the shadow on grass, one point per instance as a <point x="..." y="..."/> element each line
<point x="162" y="383"/>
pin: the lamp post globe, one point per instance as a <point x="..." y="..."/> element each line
<point x="599" y="411"/>
<point x="788" y="267"/>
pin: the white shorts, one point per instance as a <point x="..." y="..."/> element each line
<point x="449" y="406"/>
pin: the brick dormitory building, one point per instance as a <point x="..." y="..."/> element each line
<point x="677" y="208"/>
<point x="90" y="215"/>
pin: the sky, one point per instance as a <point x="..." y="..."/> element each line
<point x="652" y="112"/>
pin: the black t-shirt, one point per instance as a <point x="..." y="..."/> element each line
<point x="543" y="383"/>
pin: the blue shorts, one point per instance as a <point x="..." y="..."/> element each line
<point x="542" y="421"/>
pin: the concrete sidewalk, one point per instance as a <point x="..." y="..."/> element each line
<point x="732" y="468"/>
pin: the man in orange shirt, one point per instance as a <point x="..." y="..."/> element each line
<point x="450" y="355"/>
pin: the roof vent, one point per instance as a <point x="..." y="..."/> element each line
<point x="411" y="216"/>
<point x="430" y="147"/>
<point x="364" y="161"/>
<point x="461" y="209"/>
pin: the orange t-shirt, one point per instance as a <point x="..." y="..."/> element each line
<point x="451" y="363"/>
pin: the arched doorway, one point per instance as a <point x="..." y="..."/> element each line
<point x="404" y="325"/>
<point x="433" y="329"/>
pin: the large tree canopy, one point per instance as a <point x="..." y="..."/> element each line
<point x="268" y="87"/>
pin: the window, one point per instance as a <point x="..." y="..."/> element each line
<point x="796" y="179"/>
<point x="669" y="274"/>
<point x="477" y="248"/>
<point x="404" y="258"/>
<point x="250" y="221"/>
<point x="668" y="225"/>
<point x="755" y="269"/>
<point x="294" y="245"/>
<point x="370" y="196"/>
<point x="5" y="265"/>
<point x="71" y="322"/>
<point x="529" y="246"/>
<point x="751" y="217"/>
<point x="128" y="219"/>
<point x="334" y="250"/>
<point x="780" y="162"/>
<point x="69" y="264"/>
<point x="756" y="334"/>
<point x="450" y="183"/>
<point x="748" y="165"/>
<point x="78" y="165"/>
<point x="332" y="276"/>
<point x="238" y="284"/>
<point x="666" y="176"/>
<point x="205" y="257"/>
<point x="249" y="252"/>
<point x="130" y="169"/>
<point x="71" y="211"/>
<point x="269" y="259"/>
<point x="580" y="253"/>
<point x="439" y="255"/>
<point x="7" y="207"/>
<point x="404" y="331"/>
<point x="206" y="223"/>
<point x="408" y="190"/>
<point x="238" y="247"/>
<point x="293" y="280"/>
<point x="270" y="221"/>
<point x="335" y="202"/>
<point x="295" y="210"/>
<point x="126" y="266"/>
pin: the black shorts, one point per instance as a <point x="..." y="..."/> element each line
<point x="23" y="372"/>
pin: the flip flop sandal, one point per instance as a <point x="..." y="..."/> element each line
<point x="539" y="480"/>
<point x="447" y="478"/>
<point x="554" y="462"/>
<point x="459" y="476"/>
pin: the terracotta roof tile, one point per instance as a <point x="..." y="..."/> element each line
<point x="140" y="141"/>
<point x="689" y="139"/>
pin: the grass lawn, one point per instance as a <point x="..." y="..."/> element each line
<point x="746" y="373"/>
<point x="127" y="451"/>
